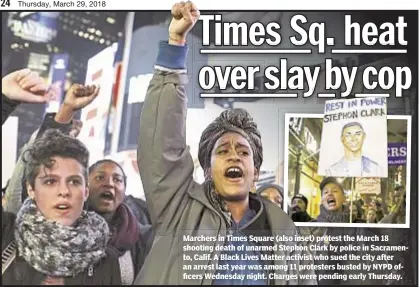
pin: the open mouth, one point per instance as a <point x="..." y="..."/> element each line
<point x="234" y="173"/>
<point x="331" y="201"/>
<point x="107" y="195"/>
<point x="62" y="206"/>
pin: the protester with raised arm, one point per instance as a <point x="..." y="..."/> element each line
<point x="52" y="240"/>
<point x="230" y="153"/>
<point x="62" y="120"/>
<point x="128" y="238"/>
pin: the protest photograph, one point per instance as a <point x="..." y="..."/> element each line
<point x="209" y="143"/>
<point x="368" y="201"/>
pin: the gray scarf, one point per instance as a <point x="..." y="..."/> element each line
<point x="57" y="250"/>
<point x="334" y="216"/>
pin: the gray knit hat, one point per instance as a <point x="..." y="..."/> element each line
<point x="231" y="120"/>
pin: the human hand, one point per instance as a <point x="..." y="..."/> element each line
<point x="25" y="86"/>
<point x="79" y="96"/>
<point x="185" y="15"/>
<point x="76" y="98"/>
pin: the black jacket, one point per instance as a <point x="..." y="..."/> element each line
<point x="301" y="216"/>
<point x="7" y="228"/>
<point x="139" y="208"/>
<point x="7" y="107"/>
<point x="105" y="272"/>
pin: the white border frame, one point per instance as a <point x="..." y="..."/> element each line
<point x="364" y="225"/>
<point x="303" y="5"/>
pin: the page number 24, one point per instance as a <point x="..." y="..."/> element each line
<point x="5" y="3"/>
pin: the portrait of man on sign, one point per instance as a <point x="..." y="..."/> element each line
<point x="353" y="163"/>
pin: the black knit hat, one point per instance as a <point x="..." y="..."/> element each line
<point x="302" y="197"/>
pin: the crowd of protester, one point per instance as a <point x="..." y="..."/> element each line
<point x="334" y="201"/>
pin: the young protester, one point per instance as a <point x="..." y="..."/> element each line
<point x="223" y="208"/>
<point x="129" y="238"/>
<point x="16" y="191"/>
<point x="75" y="99"/>
<point x="126" y="240"/>
<point x="333" y="206"/>
<point x="52" y="240"/>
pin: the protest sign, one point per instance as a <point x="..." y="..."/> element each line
<point x="368" y="186"/>
<point x="354" y="138"/>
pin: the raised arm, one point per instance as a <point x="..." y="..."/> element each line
<point x="19" y="86"/>
<point x="76" y="98"/>
<point x="15" y="186"/>
<point x="164" y="160"/>
<point x="22" y="86"/>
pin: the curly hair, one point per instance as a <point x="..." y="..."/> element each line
<point x="53" y="143"/>
<point x="231" y="120"/>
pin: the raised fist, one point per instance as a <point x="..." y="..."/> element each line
<point x="79" y="96"/>
<point x="25" y="86"/>
<point x="76" y="98"/>
<point x="185" y="15"/>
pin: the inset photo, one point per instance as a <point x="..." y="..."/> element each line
<point x="315" y="200"/>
